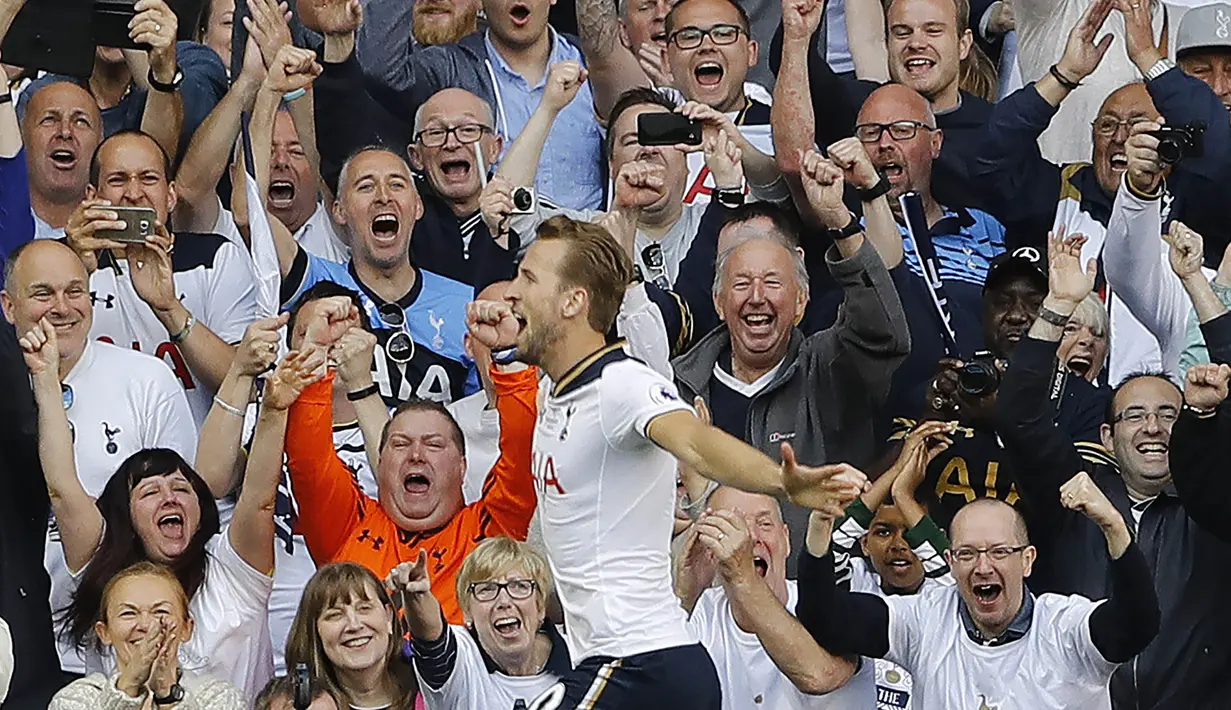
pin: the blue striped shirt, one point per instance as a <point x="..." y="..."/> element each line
<point x="966" y="241"/>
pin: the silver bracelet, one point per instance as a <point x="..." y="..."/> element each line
<point x="228" y="408"/>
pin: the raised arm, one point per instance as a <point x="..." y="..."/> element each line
<point x="1198" y="446"/>
<point x="521" y="161"/>
<point x="765" y="179"/>
<point x="252" y="527"/>
<point x="353" y="354"/>
<point x="1186" y="255"/>
<point x="77" y="517"/>
<point x="613" y="67"/>
<point x="1124" y="625"/>
<point x="865" y="33"/>
<point x="812" y="669"/>
<point x="156" y="25"/>
<point x="792" y="117"/>
<point x="220" y="454"/>
<point x="411" y="588"/>
<point x="880" y="227"/>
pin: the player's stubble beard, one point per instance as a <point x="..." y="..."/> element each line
<point x="432" y="33"/>
<point x="537" y="341"/>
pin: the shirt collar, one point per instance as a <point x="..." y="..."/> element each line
<point x="557" y="55"/>
<point x="1017" y="628"/>
<point x="558" y="661"/>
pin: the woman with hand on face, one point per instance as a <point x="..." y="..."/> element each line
<point x="144" y="618"/>
<point x="346" y="632"/>
<point x="156" y="508"/>
<point x="506" y="652"/>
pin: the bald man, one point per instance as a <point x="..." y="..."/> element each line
<point x="988" y="642"/>
<point x="118" y="400"/>
<point x="61" y="129"/>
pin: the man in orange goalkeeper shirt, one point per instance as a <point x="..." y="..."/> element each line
<point x="419" y="476"/>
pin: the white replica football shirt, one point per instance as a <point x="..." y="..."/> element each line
<point x="475" y="684"/>
<point x="748" y="675"/>
<point x="230" y="635"/>
<point x="120" y="402"/>
<point x="215" y="282"/>
<point x="1055" y="666"/>
<point x="607" y="502"/>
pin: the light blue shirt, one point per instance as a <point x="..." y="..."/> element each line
<point x="570" y="171"/>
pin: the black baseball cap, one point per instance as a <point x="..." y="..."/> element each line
<point x="1021" y="263"/>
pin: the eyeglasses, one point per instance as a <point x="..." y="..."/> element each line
<point x="898" y="130"/>
<point x="1137" y="415"/>
<point x="1108" y="126"/>
<point x="401" y="347"/>
<point x="692" y="37"/>
<point x="999" y="553"/>
<point x="465" y="134"/>
<point x="517" y="589"/>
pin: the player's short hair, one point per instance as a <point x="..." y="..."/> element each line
<point x="496" y="556"/>
<point x="595" y="262"/>
<point x="417" y="404"/>
<point x="96" y="167"/>
<point x="283" y="687"/>
<point x="325" y="289"/>
<point x="639" y="96"/>
<point x="744" y="23"/>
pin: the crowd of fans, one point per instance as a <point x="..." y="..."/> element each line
<point x="538" y="354"/>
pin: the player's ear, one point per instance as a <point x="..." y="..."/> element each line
<point x="574" y="304"/>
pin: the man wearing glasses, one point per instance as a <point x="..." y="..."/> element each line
<point x="989" y="642"/>
<point x="1186" y="665"/>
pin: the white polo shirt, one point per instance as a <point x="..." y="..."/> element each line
<point x="1055" y="666"/>
<point x="748" y="675"/>
<point x="215" y="282"/>
<point x="122" y="401"/>
<point x="480" y="427"/>
<point x="607" y="504"/>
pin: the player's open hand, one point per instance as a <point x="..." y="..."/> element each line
<point x="825" y="489"/>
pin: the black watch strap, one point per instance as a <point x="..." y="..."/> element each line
<point x="174" y="695"/>
<point x="851" y="229"/>
<point x="882" y="187"/>
<point x="171" y="88"/>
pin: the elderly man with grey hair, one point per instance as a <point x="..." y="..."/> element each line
<point x="767" y="383"/>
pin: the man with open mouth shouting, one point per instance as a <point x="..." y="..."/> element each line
<point x="989" y="639"/>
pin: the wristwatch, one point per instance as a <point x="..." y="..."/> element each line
<point x="171" y="88"/>
<point x="881" y="187"/>
<point x="174" y="695"/>
<point x="729" y="197"/>
<point x="851" y="229"/>
<point x="1160" y="67"/>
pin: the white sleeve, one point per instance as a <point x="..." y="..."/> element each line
<point x="461" y="689"/>
<point x="1070" y="624"/>
<point x="526" y="225"/>
<point x="167" y="416"/>
<point x="231" y="294"/>
<point x="632" y="400"/>
<point x="241" y="589"/>
<point x="6" y="659"/>
<point x="905" y="628"/>
<point x="641" y="323"/>
<point x="225" y="226"/>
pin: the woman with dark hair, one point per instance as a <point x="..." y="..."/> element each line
<point x="156" y="508"/>
<point x="347" y="633"/>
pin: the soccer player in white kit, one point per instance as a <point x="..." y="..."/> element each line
<point x="608" y="435"/>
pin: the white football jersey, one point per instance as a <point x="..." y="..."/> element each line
<point x="1055" y="666"/>
<point x="215" y="282"/>
<point x="473" y="684"/>
<point x="119" y="402"/>
<point x="606" y="503"/>
<point x="748" y="675"/>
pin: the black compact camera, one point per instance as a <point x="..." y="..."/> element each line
<point x="1176" y="143"/>
<point x="301" y="682"/>
<point x="979" y="377"/>
<point x="524" y="200"/>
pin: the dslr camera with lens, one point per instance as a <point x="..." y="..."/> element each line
<point x="979" y="377"/>
<point x="524" y="200"/>
<point x="1176" y="143"/>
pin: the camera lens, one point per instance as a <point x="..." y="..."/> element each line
<point x="523" y="199"/>
<point x="978" y="378"/>
<point x="1170" y="150"/>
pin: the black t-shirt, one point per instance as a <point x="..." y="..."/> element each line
<point x="976" y="465"/>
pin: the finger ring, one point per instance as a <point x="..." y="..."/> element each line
<point x="158" y="27"/>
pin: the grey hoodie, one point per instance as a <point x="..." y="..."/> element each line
<point x="832" y="385"/>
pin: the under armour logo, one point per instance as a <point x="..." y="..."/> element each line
<point x="366" y="536"/>
<point x="1222" y="20"/>
<point x="112" y="447"/>
<point x="108" y="300"/>
<point x="438" y="556"/>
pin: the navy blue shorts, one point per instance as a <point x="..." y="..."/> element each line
<point x="680" y="677"/>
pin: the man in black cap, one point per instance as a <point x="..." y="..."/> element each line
<point x="965" y="390"/>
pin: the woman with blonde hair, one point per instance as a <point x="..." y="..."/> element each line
<point x="347" y="633"/>
<point x="507" y="652"/>
<point x="144" y="618"/>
